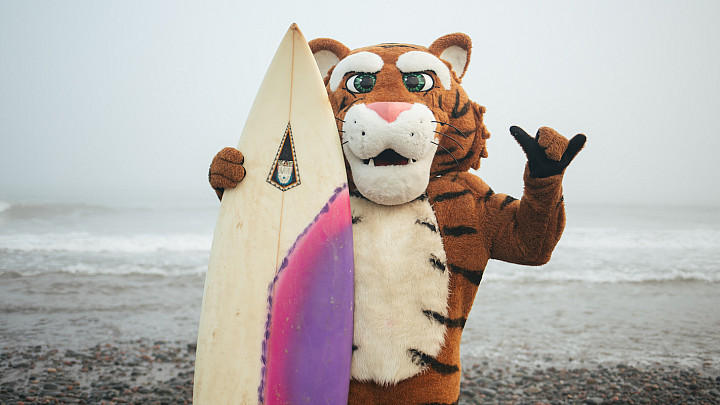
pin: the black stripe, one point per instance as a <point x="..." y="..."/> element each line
<point x="393" y="45"/>
<point x="342" y="104"/>
<point x="450" y="323"/>
<point x="232" y="162"/>
<point x="459" y="113"/>
<point x="507" y="201"/>
<point x="441" y="172"/>
<point x="437" y="263"/>
<point x="459" y="230"/>
<point x="440" y="102"/>
<point x="421" y="359"/>
<point x="355" y="220"/>
<point x="429" y="224"/>
<point x="489" y="194"/>
<point x="223" y="176"/>
<point x="452" y="162"/>
<point x="442" y="403"/>
<point x="356" y="194"/>
<point x="450" y="195"/>
<point x="422" y="197"/>
<point x="446" y="151"/>
<point x="354" y="348"/>
<point x="472" y="276"/>
<point x="350" y="105"/>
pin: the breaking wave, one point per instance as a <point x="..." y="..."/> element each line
<point x="641" y="239"/>
<point x="82" y="242"/>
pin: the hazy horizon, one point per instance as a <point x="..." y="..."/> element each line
<point x="108" y="99"/>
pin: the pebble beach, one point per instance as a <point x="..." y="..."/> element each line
<point x="143" y="372"/>
<point x="103" y="305"/>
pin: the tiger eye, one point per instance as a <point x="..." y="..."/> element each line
<point x="411" y="81"/>
<point x="417" y="81"/>
<point x="366" y="83"/>
<point x="361" y="83"/>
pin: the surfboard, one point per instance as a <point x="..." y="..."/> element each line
<point x="276" y="318"/>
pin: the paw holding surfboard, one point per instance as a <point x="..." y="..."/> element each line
<point x="423" y="227"/>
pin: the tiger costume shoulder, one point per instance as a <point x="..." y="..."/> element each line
<point x="424" y="227"/>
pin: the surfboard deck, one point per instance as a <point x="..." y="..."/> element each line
<point x="276" y="318"/>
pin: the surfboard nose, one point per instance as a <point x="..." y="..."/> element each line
<point x="389" y="111"/>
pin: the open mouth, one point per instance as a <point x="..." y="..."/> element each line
<point x="388" y="157"/>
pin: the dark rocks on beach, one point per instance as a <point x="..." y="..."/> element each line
<point x="142" y="372"/>
<point x="121" y="373"/>
<point x="600" y="385"/>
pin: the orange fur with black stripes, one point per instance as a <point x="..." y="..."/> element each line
<point x="424" y="228"/>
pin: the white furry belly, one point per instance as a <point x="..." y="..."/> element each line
<point x="400" y="278"/>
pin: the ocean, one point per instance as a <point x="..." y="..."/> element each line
<point x="636" y="285"/>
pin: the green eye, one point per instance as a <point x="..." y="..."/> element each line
<point x="418" y="81"/>
<point x="360" y="83"/>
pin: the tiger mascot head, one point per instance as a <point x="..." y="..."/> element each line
<point x="402" y="115"/>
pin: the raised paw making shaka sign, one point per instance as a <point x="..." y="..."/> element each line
<point x="549" y="153"/>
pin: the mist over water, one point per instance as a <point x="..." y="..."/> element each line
<point x="136" y="95"/>
<point x="626" y="283"/>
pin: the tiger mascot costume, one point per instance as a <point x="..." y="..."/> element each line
<point x="423" y="227"/>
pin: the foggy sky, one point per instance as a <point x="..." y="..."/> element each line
<point x="131" y="99"/>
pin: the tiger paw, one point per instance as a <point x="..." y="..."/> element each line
<point x="549" y="153"/>
<point x="226" y="170"/>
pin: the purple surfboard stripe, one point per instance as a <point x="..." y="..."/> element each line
<point x="308" y="340"/>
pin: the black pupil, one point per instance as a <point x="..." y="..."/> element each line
<point x="366" y="82"/>
<point x="412" y="81"/>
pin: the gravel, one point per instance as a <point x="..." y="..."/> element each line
<point x="620" y="384"/>
<point x="142" y="372"/>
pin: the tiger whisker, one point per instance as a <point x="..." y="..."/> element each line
<point x="344" y="142"/>
<point x="461" y="133"/>
<point x="451" y="138"/>
<point x="350" y="105"/>
<point x="449" y="153"/>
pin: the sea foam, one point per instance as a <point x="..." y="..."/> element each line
<point x="84" y="242"/>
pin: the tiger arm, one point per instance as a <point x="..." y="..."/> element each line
<point x="527" y="231"/>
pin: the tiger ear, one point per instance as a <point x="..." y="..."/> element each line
<point x="327" y="52"/>
<point x="454" y="49"/>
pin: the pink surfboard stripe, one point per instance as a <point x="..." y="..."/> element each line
<point x="308" y="345"/>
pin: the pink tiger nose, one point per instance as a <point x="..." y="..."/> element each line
<point x="389" y="111"/>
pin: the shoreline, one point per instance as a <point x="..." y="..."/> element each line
<point x="147" y="372"/>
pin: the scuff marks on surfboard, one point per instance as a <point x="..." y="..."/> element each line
<point x="308" y="338"/>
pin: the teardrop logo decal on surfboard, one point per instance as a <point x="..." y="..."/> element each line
<point x="284" y="173"/>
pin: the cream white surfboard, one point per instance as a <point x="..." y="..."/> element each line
<point x="276" y="320"/>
